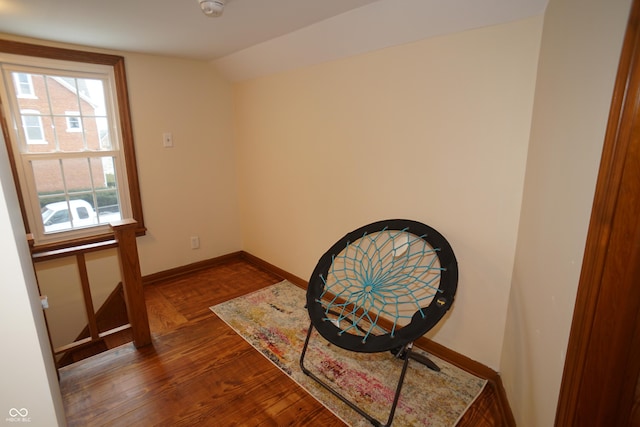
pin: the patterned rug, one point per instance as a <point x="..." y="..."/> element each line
<point x="275" y="322"/>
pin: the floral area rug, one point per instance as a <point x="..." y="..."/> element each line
<point x="275" y="322"/>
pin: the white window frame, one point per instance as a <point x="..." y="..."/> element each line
<point x="99" y="66"/>
<point x="12" y="64"/>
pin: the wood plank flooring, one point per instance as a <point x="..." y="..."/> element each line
<point x="198" y="371"/>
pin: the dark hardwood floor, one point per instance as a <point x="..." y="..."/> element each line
<point x="198" y="371"/>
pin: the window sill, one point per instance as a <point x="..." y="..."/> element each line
<point x="84" y="241"/>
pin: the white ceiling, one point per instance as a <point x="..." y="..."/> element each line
<point x="254" y="37"/>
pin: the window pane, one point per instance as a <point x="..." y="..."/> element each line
<point x="33" y="128"/>
<point x="47" y="176"/>
<point x="37" y="98"/>
<point x="107" y="194"/>
<point x="38" y="131"/>
<point x="91" y="133"/>
<point x="63" y="93"/>
<point x="69" y="142"/>
<point x="104" y="137"/>
<point x="88" y="183"/>
<point x="67" y="215"/>
<point x="108" y="207"/>
<point x="103" y="172"/>
<point x="94" y="114"/>
<point x="92" y="90"/>
<point x="77" y="175"/>
<point x="66" y="113"/>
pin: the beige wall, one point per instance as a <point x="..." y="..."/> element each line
<point x="434" y="131"/>
<point x="190" y="189"/>
<point x="578" y="61"/>
<point x="59" y="281"/>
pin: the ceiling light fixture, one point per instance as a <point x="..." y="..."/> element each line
<point x="212" y="8"/>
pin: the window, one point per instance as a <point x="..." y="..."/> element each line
<point x="24" y="85"/>
<point x="73" y="121"/>
<point x="32" y="126"/>
<point x="58" y="218"/>
<point x="69" y="133"/>
<point x="83" y="213"/>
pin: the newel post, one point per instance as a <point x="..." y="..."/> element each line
<point x="125" y="234"/>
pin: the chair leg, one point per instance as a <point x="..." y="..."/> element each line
<point x="401" y="353"/>
<point x="352" y="405"/>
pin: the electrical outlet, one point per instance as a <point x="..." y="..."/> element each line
<point x="195" y="242"/>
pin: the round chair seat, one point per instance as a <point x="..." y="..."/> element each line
<point x="382" y="286"/>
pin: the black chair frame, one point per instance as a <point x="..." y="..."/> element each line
<point x="385" y="337"/>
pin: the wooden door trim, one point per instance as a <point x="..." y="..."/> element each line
<point x="584" y="351"/>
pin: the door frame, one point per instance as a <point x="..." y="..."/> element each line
<point x="603" y="354"/>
